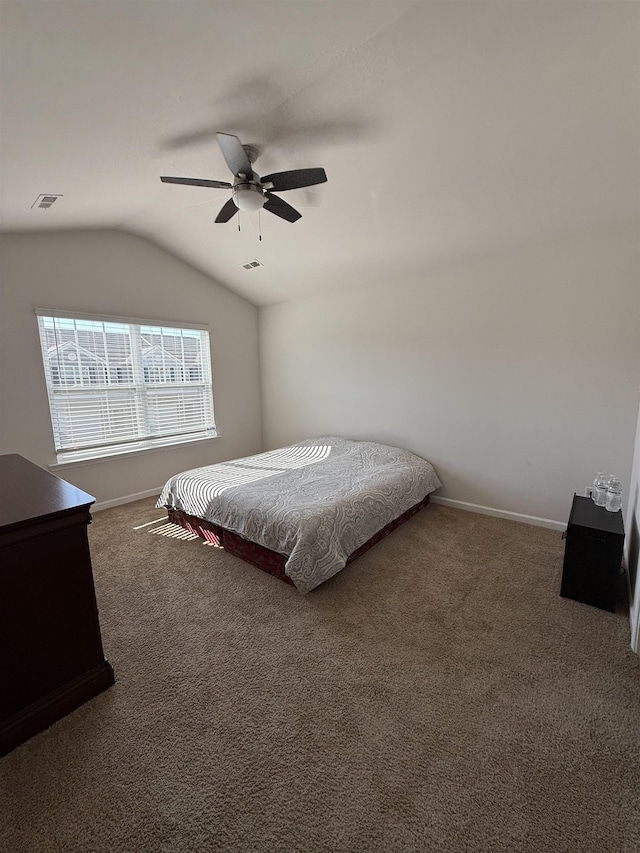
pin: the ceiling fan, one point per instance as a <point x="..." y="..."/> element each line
<point x="250" y="192"/>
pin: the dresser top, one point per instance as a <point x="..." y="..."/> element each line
<point x="28" y="492"/>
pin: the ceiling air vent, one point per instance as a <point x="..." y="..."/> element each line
<point x="45" y="200"/>
<point x="251" y="265"/>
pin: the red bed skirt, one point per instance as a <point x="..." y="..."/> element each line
<point x="265" y="559"/>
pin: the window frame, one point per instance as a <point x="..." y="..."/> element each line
<point x="157" y="414"/>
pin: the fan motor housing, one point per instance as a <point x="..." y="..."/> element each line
<point x="248" y="196"/>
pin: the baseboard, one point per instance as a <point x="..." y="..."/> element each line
<point x="501" y="513"/>
<point x="469" y="507"/>
<point x="126" y="499"/>
<point x="634" y="620"/>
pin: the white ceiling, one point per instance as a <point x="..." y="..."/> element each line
<point x="447" y="129"/>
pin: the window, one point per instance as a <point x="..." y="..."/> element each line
<point x="117" y="385"/>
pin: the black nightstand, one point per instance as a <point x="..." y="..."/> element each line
<point x="592" y="554"/>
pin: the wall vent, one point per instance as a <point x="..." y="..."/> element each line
<point x="45" y="200"/>
<point x="251" y="265"/>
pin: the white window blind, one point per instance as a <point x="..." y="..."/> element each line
<point x="117" y="385"/>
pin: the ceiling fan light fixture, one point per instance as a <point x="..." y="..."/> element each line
<point x="249" y="192"/>
<point x="248" y="197"/>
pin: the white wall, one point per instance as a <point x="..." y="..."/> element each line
<point x="110" y="272"/>
<point x="516" y="375"/>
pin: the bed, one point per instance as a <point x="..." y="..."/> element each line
<point x="302" y="512"/>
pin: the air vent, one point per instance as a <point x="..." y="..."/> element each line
<point x="45" y="200"/>
<point x="251" y="265"/>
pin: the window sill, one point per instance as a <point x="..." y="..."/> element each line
<point x="72" y="463"/>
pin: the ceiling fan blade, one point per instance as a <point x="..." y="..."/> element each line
<point x="234" y="154"/>
<point x="227" y="211"/>
<point x="196" y="182"/>
<point x="281" y="208"/>
<point x="295" y="179"/>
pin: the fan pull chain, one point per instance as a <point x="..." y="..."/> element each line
<point x="259" y="226"/>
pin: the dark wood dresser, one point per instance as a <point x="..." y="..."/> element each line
<point x="51" y="658"/>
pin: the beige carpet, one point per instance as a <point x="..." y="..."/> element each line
<point x="437" y="695"/>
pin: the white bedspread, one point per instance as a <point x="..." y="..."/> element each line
<point x="315" y="502"/>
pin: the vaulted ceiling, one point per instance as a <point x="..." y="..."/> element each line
<point x="446" y="129"/>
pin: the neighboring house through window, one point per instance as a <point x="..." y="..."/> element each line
<point x="117" y="385"/>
